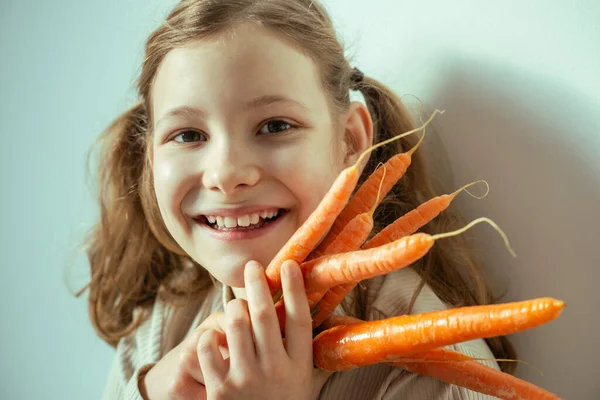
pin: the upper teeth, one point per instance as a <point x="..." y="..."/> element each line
<point x="242" y="220"/>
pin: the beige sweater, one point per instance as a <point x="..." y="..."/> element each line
<point x="391" y="296"/>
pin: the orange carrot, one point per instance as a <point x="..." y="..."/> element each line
<point x="417" y="218"/>
<point x="338" y="269"/>
<point x="351" y="238"/>
<point x="330" y="301"/>
<point x="314" y="228"/>
<point x="328" y="271"/>
<point x="367" y="195"/>
<point x="346" y="347"/>
<point x="473" y="376"/>
<point x="462" y="370"/>
<point x="403" y="226"/>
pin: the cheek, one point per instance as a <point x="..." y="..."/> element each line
<point x="308" y="174"/>
<point x="170" y="177"/>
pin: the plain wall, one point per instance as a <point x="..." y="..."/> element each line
<point x="519" y="83"/>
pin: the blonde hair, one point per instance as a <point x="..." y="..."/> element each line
<point x="133" y="257"/>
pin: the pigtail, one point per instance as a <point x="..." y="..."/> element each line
<point x="129" y="264"/>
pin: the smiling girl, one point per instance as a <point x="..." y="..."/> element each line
<point x="243" y="123"/>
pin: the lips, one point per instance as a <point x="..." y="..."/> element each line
<point x="241" y="221"/>
<point x="235" y="233"/>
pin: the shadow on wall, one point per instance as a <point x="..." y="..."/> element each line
<point x="534" y="142"/>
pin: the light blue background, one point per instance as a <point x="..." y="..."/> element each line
<point x="519" y="81"/>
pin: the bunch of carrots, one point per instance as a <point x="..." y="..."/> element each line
<point x="330" y="247"/>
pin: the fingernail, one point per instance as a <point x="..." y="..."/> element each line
<point x="253" y="266"/>
<point x="290" y="269"/>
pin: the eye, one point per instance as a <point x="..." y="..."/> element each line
<point x="275" y="126"/>
<point x="190" y="137"/>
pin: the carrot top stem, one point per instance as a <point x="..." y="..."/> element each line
<point x="378" y="192"/>
<point x="471" y="184"/>
<point x="370" y="149"/>
<point x="478" y="220"/>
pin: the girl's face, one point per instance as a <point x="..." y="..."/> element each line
<point x="243" y="148"/>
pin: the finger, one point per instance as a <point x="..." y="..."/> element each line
<point x="239" y="336"/>
<point x="298" y="323"/>
<point x="214" y="368"/>
<point x="267" y="336"/>
<point x="193" y="367"/>
<point x="215" y="321"/>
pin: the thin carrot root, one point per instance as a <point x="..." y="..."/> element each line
<point x="303" y="241"/>
<point x="372" y="211"/>
<point x="417" y="218"/>
<point x="471" y="184"/>
<point x="476" y="221"/>
<point x="360" y="344"/>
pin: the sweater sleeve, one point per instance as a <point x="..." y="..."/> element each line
<point x="135" y="355"/>
<point x="119" y="386"/>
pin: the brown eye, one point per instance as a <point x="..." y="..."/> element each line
<point x="275" y="126"/>
<point x="190" y="137"/>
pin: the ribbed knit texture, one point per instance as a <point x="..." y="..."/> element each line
<point x="168" y="326"/>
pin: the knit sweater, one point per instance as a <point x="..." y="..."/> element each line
<point x="167" y="326"/>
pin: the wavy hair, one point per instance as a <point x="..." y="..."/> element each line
<point x="133" y="257"/>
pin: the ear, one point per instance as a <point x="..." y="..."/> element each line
<point x="358" y="133"/>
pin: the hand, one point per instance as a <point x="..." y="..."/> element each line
<point x="261" y="365"/>
<point x="178" y="375"/>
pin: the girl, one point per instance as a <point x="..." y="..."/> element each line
<point x="243" y="123"/>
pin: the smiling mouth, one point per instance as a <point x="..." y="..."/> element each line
<point x="245" y="223"/>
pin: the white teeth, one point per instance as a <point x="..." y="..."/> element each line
<point x="230" y="222"/>
<point x="244" y="221"/>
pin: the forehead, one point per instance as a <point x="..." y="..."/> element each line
<point x="225" y="73"/>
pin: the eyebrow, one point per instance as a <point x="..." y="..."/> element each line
<point x="262" y="101"/>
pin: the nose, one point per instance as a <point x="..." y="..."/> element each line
<point x="230" y="168"/>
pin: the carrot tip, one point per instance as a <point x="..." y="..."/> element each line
<point x="471" y="184"/>
<point x="478" y="220"/>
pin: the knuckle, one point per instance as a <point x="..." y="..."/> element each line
<point x="237" y="313"/>
<point x="274" y="370"/>
<point x="238" y="324"/>
<point x="302" y="321"/>
<point x="262" y="315"/>
<point x="204" y="342"/>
